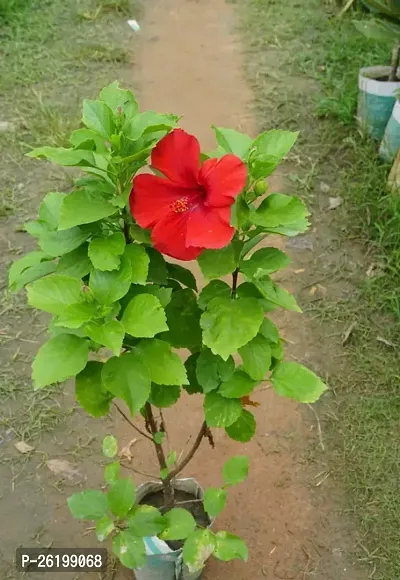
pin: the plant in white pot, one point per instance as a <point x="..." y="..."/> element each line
<point x="121" y="311"/>
<point x="378" y="84"/>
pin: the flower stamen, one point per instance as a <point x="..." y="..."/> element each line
<point x="180" y="205"/>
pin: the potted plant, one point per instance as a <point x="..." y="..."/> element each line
<point x="101" y="273"/>
<point x="378" y="84"/>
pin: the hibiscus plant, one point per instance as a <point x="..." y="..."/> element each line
<point x="121" y="305"/>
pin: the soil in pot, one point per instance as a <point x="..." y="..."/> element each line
<point x="192" y="504"/>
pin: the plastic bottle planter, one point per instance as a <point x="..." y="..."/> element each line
<point x="391" y="140"/>
<point x="162" y="562"/>
<point x="376" y="99"/>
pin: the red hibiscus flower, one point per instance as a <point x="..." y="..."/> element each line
<point x="190" y="209"/>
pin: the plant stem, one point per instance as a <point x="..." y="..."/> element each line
<point x="395" y="63"/>
<point x="190" y="454"/>
<point x="120" y="411"/>
<point x="235" y="275"/>
<point x="169" y="492"/>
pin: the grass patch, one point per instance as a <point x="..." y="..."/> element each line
<point x="303" y="64"/>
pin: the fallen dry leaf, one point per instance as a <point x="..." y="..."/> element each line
<point x="324" y="187"/>
<point x="247" y="402"/>
<point x="23" y="447"/>
<point x="313" y="290"/>
<point x="65" y="469"/>
<point x="335" y="202"/>
<point x="387" y="342"/>
<point x="299" y="270"/>
<point x="125" y="452"/>
<point x="347" y="333"/>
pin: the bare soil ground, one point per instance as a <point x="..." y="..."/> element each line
<point x="189" y="62"/>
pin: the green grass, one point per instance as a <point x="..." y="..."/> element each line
<point x="303" y="64"/>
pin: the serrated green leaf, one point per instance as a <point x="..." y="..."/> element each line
<point x="165" y="367"/>
<point x="264" y="261"/>
<point x="190" y="366"/>
<point x="256" y="357"/>
<point x="240" y="212"/>
<point x="104" y="527"/>
<point x="98" y="117"/>
<point x="76" y="263"/>
<point x="164" y="396"/>
<point x="115" y="97"/>
<point x="139" y="262"/>
<point x="214" y="289"/>
<point x="148" y="121"/>
<point x="229" y="324"/>
<point x="146" y="521"/>
<point x="110" y="446"/>
<point x="278" y="209"/>
<point x="233" y="142"/>
<point x="89" y="390"/>
<point x="220" y="411"/>
<point x="111" y="472"/>
<point x="276" y="143"/>
<point x="88" y="505"/>
<point x="105" y="253"/>
<point x="127" y="377"/>
<point x="216" y="263"/>
<point x="121" y="497"/>
<point x="249" y="290"/>
<point x="62" y="156"/>
<point x="183" y="275"/>
<point x="229" y="547"/>
<point x="211" y="370"/>
<point x="269" y="330"/>
<point x="144" y="316"/>
<point x="179" y="523"/>
<point x="214" y="501"/>
<point x="244" y="428"/>
<point x="164" y="473"/>
<point x="110" y="334"/>
<point x="158" y="272"/>
<point x="84" y="206"/>
<point x="159" y="437"/>
<point x="163" y="294"/>
<point x="75" y="315"/>
<point x="56" y="243"/>
<point x="239" y="385"/>
<point x="108" y="287"/>
<point x="235" y="470"/>
<point x="32" y="266"/>
<point x="290" y="230"/>
<point x="129" y="549"/>
<point x="37" y="228"/>
<point x="276" y="294"/>
<point x="170" y="459"/>
<point x="198" y="547"/>
<point x="54" y="293"/>
<point x="183" y="320"/>
<point x="59" y="359"/>
<point x="49" y="209"/>
<point x="295" y="381"/>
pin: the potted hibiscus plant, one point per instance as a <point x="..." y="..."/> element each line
<point x="107" y="271"/>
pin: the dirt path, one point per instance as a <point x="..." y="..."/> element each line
<point x="190" y="63"/>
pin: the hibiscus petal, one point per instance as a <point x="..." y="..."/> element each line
<point x="209" y="227"/>
<point x="223" y="179"/>
<point x="177" y="156"/>
<point x="151" y="198"/>
<point x="169" y="237"/>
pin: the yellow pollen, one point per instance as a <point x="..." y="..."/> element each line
<point x="180" y="205"/>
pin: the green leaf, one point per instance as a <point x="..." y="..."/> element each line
<point x="88" y="505"/>
<point x="146" y="521"/>
<point x="110" y="446"/>
<point x="214" y="501"/>
<point x="278" y="209"/>
<point x="269" y="330"/>
<point x="227" y="325"/>
<point x="98" y="117"/>
<point x="49" y="210"/>
<point x="276" y="294"/>
<point x="235" y="470"/>
<point x="59" y="243"/>
<point x="214" y="289"/>
<point x="157" y="268"/>
<point x="28" y="269"/>
<point x="105" y="253"/>
<point x="110" y="334"/>
<point x="183" y="320"/>
<point x="144" y="316"/>
<point x="115" y="97"/>
<point x="36" y="228"/>
<point x="179" y="523"/>
<point x="129" y="549"/>
<point x="244" y="428"/>
<point x="148" y="121"/>
<point x="220" y="411"/>
<point x="121" y="497"/>
<point x="239" y="385"/>
<point x="139" y="262"/>
<point x="59" y="359"/>
<point x="75" y="315"/>
<point x="53" y="293"/>
<point x="86" y="139"/>
<point x="250" y="290"/>
<point x="233" y="142"/>
<point x="76" y="263"/>
<point x="198" y="547"/>
<point x="295" y="381"/>
<point x="84" y="206"/>
<point x="190" y="366"/>
<point x="276" y="143"/>
<point x="141" y="235"/>
<point x="240" y="213"/>
<point x="159" y="437"/>
<point x="164" y="395"/>
<point x="264" y="261"/>
<point x="164" y="473"/>
<point x="165" y="366"/>
<point x="216" y="263"/>
<point x="127" y="377"/>
<point x="171" y="459"/>
<point x="290" y="230"/>
<point x="111" y="472"/>
<point x="183" y="275"/>
<point x="104" y="527"/>
<point x="211" y="370"/>
<point x="89" y="391"/>
<point x="262" y="166"/>
<point x="108" y="287"/>
<point x="62" y="156"/>
<point x="256" y="357"/>
<point x="230" y="547"/>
